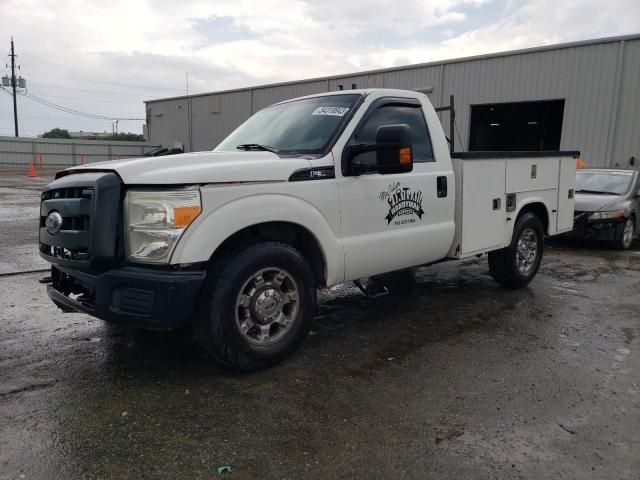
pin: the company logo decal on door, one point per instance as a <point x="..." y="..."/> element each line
<point x="403" y="202"/>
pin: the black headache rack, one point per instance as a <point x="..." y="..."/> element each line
<point x="451" y="108"/>
<point x="91" y="209"/>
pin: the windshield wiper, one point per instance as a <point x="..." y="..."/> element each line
<point x="257" y="146"/>
<point x="596" y="192"/>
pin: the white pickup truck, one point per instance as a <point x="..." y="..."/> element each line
<point x="306" y="194"/>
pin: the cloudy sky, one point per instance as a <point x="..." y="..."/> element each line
<point x="105" y="58"/>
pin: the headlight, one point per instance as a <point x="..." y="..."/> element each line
<point x="607" y="215"/>
<point x="155" y="221"/>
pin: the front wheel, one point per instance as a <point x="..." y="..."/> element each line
<point x="257" y="307"/>
<point x="625" y="235"/>
<point x="516" y="265"/>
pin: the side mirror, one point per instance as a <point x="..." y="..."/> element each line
<point x="393" y="151"/>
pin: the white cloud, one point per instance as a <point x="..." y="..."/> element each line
<point x="154" y="42"/>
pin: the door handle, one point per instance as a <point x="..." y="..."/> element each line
<point x="442" y="187"/>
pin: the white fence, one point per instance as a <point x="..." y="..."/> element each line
<point x="49" y="152"/>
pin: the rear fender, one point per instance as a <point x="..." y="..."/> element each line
<point x="547" y="198"/>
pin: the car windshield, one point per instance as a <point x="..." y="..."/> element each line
<point x="305" y="126"/>
<point x="615" y="183"/>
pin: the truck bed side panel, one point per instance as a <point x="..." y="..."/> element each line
<point x="483" y="183"/>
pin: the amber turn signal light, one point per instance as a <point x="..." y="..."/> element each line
<point x="183" y="216"/>
<point x="405" y="156"/>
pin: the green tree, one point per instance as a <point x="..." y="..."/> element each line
<point x="128" y="137"/>
<point x="56" y="133"/>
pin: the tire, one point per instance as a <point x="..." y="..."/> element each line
<point x="509" y="266"/>
<point x="256" y="308"/>
<point x="625" y="234"/>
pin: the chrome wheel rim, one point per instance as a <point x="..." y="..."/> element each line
<point x="526" y="250"/>
<point x="267" y="306"/>
<point x="627" y="234"/>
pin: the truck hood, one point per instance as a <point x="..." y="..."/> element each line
<point x="594" y="203"/>
<point x="201" y="167"/>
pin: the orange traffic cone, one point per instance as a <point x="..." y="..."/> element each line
<point x="32" y="169"/>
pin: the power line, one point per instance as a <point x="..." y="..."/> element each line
<point x="90" y="90"/>
<point x="97" y="100"/>
<point x="108" y="83"/>
<point x="37" y="115"/>
<point x="75" y="112"/>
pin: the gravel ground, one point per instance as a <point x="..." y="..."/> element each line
<point x="454" y="378"/>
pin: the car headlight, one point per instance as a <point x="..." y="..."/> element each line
<point x="155" y="221"/>
<point x="607" y="215"/>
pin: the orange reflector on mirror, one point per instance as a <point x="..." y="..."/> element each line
<point x="183" y="216"/>
<point x="405" y="156"/>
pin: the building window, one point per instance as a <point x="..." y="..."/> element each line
<point x="516" y="126"/>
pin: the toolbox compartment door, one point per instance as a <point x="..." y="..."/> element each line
<point x="566" y="190"/>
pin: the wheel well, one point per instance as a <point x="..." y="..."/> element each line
<point x="290" y="233"/>
<point x="540" y="211"/>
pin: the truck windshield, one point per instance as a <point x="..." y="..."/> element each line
<point x="306" y="126"/>
<point x="611" y="183"/>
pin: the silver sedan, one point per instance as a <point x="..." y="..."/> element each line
<point x="607" y="205"/>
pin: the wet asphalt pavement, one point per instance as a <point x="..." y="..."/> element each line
<point x="454" y="378"/>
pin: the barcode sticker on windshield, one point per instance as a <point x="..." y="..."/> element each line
<point x="333" y="111"/>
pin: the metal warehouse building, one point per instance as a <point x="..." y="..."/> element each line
<point x="581" y="95"/>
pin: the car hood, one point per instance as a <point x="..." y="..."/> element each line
<point x="594" y="203"/>
<point x="200" y="167"/>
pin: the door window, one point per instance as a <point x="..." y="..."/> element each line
<point x="393" y="115"/>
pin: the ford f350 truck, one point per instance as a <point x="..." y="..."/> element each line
<point x="306" y="194"/>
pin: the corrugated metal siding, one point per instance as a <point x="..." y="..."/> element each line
<point x="626" y="138"/>
<point x="206" y="121"/>
<point x="599" y="85"/>
<point x="167" y="123"/>
<point x="63" y="153"/>
<point x="414" y="79"/>
<point x="582" y="76"/>
<point x="263" y="97"/>
<point x="360" y="81"/>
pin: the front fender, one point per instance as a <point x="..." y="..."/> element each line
<point x="216" y="224"/>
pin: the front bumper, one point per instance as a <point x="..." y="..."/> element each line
<point x="603" y="230"/>
<point x="138" y="296"/>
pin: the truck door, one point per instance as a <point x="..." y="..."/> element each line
<point x="390" y="222"/>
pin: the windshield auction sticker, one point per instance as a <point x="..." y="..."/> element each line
<point x="332" y="111"/>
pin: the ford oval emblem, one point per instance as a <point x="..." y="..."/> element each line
<point x="53" y="223"/>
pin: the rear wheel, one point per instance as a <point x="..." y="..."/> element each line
<point x="516" y="265"/>
<point x="625" y="234"/>
<point x="256" y="309"/>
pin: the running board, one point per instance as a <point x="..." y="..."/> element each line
<point x="378" y="291"/>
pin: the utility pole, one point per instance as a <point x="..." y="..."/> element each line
<point x="14" y="82"/>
